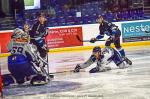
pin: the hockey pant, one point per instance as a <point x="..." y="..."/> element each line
<point x="20" y="68"/>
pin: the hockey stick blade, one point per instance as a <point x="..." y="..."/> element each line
<point x="50" y="77"/>
<point x="79" y="39"/>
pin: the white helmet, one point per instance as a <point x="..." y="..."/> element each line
<point x="18" y="33"/>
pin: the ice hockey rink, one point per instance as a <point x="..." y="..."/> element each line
<point x="130" y="83"/>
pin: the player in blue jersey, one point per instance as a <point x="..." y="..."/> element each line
<point x="114" y="34"/>
<point x="102" y="58"/>
<point x="38" y="33"/>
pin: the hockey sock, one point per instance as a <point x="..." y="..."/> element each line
<point x="122" y="52"/>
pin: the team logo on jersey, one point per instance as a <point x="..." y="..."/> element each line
<point x="14" y="58"/>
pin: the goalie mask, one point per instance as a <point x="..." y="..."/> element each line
<point x="17" y="33"/>
<point x="20" y="36"/>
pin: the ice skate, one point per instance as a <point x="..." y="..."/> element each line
<point x="39" y="80"/>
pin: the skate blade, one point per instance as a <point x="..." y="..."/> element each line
<point x="104" y="70"/>
<point x="39" y="83"/>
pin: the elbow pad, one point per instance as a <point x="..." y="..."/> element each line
<point x="99" y="36"/>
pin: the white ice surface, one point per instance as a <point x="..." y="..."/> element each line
<point x="129" y="83"/>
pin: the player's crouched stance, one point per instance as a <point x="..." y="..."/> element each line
<point x="23" y="63"/>
<point x="102" y="58"/>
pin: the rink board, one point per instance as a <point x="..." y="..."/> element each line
<point x="64" y="37"/>
<point x="115" y="83"/>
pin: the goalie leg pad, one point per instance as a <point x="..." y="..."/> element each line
<point x="8" y="79"/>
<point x="39" y="80"/>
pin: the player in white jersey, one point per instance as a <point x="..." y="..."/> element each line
<point x="102" y="58"/>
<point x="23" y="62"/>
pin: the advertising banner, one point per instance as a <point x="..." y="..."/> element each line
<point x="135" y="31"/>
<point x="64" y="37"/>
<point x="4" y="40"/>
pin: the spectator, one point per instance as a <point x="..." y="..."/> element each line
<point x="68" y="5"/>
<point x="18" y="7"/>
<point x="2" y="14"/>
<point x="116" y="6"/>
<point x="51" y="12"/>
<point x="123" y="4"/>
<point x="107" y="5"/>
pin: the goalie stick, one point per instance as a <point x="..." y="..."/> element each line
<point x="79" y="39"/>
<point x="45" y="62"/>
<point x="42" y="67"/>
<point x="47" y="56"/>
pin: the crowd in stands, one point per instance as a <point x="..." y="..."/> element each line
<point x="75" y="12"/>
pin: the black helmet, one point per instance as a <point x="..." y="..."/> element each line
<point x="96" y="49"/>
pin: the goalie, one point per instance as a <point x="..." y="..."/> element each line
<point x="24" y="63"/>
<point x="102" y="58"/>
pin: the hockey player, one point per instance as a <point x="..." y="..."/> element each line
<point x="17" y="34"/>
<point x="22" y="61"/>
<point x="102" y="58"/>
<point x="26" y="28"/>
<point x="114" y="34"/>
<point x="38" y="34"/>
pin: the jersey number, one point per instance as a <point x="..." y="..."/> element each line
<point x="17" y="49"/>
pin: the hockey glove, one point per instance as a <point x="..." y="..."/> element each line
<point x="93" y="40"/>
<point x="77" y="68"/>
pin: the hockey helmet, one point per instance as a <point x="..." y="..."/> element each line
<point x="17" y="33"/>
<point x="101" y="16"/>
<point x="96" y="49"/>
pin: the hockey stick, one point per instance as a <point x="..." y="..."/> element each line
<point x="45" y="62"/>
<point x="79" y="39"/>
<point x="144" y="30"/>
<point x="50" y="77"/>
<point x="47" y="56"/>
<point x="147" y="31"/>
<point x="43" y="69"/>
